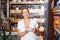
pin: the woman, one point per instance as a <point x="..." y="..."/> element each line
<point x="27" y="26"/>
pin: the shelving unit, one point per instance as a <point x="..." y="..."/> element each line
<point x="56" y="12"/>
<point x="4" y="7"/>
<point x="15" y="11"/>
<point x="30" y="2"/>
<point x="35" y="9"/>
<point x="38" y="11"/>
<point x="31" y="11"/>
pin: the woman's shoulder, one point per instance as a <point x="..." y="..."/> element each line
<point x="20" y="21"/>
<point x="33" y="20"/>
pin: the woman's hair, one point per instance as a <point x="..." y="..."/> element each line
<point x="23" y="9"/>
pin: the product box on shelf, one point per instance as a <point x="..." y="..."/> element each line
<point x="40" y="38"/>
<point x="56" y="21"/>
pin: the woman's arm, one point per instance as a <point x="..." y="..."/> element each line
<point x="33" y="30"/>
<point x="20" y="34"/>
<point x="37" y="29"/>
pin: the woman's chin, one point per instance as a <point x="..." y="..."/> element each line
<point x="26" y="17"/>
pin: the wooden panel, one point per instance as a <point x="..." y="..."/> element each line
<point x="15" y="11"/>
<point x="31" y="11"/>
<point x="56" y="9"/>
<point x="32" y="2"/>
<point x="15" y="20"/>
<point x="51" y="29"/>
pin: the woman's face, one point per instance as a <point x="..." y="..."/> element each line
<point x="25" y="13"/>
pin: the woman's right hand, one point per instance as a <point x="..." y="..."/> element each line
<point x="33" y="30"/>
<point x="26" y="30"/>
<point x="20" y="34"/>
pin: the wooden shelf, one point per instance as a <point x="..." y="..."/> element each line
<point x="36" y="10"/>
<point x="57" y="13"/>
<point x="14" y="29"/>
<point x="15" y="11"/>
<point x="56" y="9"/>
<point x="12" y="33"/>
<point x="30" y="10"/>
<point x="40" y="20"/>
<point x="40" y="37"/>
<point x="15" y="20"/>
<point x="29" y="2"/>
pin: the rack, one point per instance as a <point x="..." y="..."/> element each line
<point x="36" y="8"/>
<point x="32" y="11"/>
<point x="30" y="2"/>
<point x="56" y="12"/>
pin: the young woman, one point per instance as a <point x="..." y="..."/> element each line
<point x="27" y="26"/>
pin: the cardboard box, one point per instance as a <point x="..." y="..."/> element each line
<point x="40" y="38"/>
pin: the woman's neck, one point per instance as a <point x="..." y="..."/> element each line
<point x="26" y="18"/>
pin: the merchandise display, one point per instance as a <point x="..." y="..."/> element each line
<point x="12" y="12"/>
<point x="41" y="28"/>
<point x="56" y="21"/>
<point x="40" y="38"/>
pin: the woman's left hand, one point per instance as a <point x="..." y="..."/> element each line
<point x="33" y="30"/>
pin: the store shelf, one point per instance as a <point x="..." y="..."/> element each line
<point x="14" y="29"/>
<point x="56" y="9"/>
<point x="36" y="10"/>
<point x="40" y="20"/>
<point x="31" y="11"/>
<point x="57" y="13"/>
<point x="12" y="33"/>
<point x="15" y="20"/>
<point x="15" y="11"/>
<point x="28" y="2"/>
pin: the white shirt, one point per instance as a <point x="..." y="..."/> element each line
<point x="29" y="35"/>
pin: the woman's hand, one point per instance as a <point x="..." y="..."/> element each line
<point x="33" y="30"/>
<point x="20" y="34"/>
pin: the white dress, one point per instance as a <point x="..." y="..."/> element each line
<point x="30" y="35"/>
